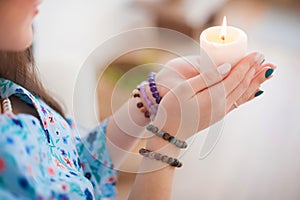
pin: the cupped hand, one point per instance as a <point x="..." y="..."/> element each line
<point x="192" y="101"/>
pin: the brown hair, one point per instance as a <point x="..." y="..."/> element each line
<point x="19" y="67"/>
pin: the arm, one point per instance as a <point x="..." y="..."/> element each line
<point x="193" y="95"/>
<point x="154" y="179"/>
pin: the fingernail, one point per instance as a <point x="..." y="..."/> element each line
<point x="258" y="93"/>
<point x="262" y="61"/>
<point x="224" y="69"/>
<point x="269" y="72"/>
<point x="259" y="58"/>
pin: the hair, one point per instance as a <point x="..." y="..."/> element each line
<point x="20" y="68"/>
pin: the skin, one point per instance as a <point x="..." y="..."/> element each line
<point x="183" y="87"/>
<point x="16" y="17"/>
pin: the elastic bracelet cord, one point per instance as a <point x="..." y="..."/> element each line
<point x="153" y="88"/>
<point x="149" y="103"/>
<point x="158" y="156"/>
<point x="166" y="136"/>
<point x="140" y="105"/>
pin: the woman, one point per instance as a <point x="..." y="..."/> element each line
<point x="42" y="155"/>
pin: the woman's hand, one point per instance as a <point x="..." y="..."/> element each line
<point x="197" y="100"/>
<point x="177" y="71"/>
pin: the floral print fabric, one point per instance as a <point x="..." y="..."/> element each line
<point x="45" y="158"/>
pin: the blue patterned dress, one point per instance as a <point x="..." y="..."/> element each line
<point x="46" y="159"/>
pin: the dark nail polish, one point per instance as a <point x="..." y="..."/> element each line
<point x="263" y="61"/>
<point x="258" y="93"/>
<point x="269" y="72"/>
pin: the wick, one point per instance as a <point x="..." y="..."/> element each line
<point x="223" y="38"/>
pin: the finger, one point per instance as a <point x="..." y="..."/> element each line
<point x="255" y="94"/>
<point x="263" y="75"/>
<point x="203" y="81"/>
<point x="240" y="89"/>
<point x="214" y="76"/>
<point x="239" y="71"/>
<point x="265" y="65"/>
<point x="215" y="97"/>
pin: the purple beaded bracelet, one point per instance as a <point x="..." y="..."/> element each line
<point x="158" y="156"/>
<point x="152" y="107"/>
<point x="153" y="88"/>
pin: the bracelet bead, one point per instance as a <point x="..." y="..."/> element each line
<point x="157" y="156"/>
<point x="155" y="95"/>
<point x="172" y="140"/>
<point x="152" y="84"/>
<point x="166" y="136"/>
<point x="143" y="109"/>
<point x="152" y="89"/>
<point x="140" y="105"/>
<point x="136" y="95"/>
<point x="149" y="127"/>
<point x="151" y="155"/>
<point x="170" y="160"/>
<point x="176" y="163"/>
<point x="154" y="129"/>
<point x="143" y="151"/>
<point x="164" y="158"/>
<point x="160" y="133"/>
<point x="147" y="114"/>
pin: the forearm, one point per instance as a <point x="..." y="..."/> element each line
<point x="154" y="179"/>
<point x="153" y="185"/>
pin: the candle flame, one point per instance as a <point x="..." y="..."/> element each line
<point x="223" y="29"/>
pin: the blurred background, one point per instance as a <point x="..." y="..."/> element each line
<point x="257" y="156"/>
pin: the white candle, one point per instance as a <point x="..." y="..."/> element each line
<point x="224" y="44"/>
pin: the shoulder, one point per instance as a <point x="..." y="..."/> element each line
<point x="10" y="122"/>
<point x="18" y="131"/>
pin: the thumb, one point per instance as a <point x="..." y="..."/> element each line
<point x="203" y="81"/>
<point x="209" y="78"/>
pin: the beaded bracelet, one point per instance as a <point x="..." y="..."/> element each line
<point x="140" y="105"/>
<point x="158" y="156"/>
<point x="166" y="136"/>
<point x="150" y="104"/>
<point x="153" y="88"/>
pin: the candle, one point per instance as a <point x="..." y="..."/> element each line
<point x="224" y="44"/>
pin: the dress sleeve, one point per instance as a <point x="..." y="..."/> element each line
<point x="96" y="162"/>
<point x="7" y="195"/>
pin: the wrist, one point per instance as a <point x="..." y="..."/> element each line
<point x="135" y="114"/>
<point x="162" y="146"/>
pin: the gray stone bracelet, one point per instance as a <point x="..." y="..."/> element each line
<point x="174" y="162"/>
<point x="166" y="136"/>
